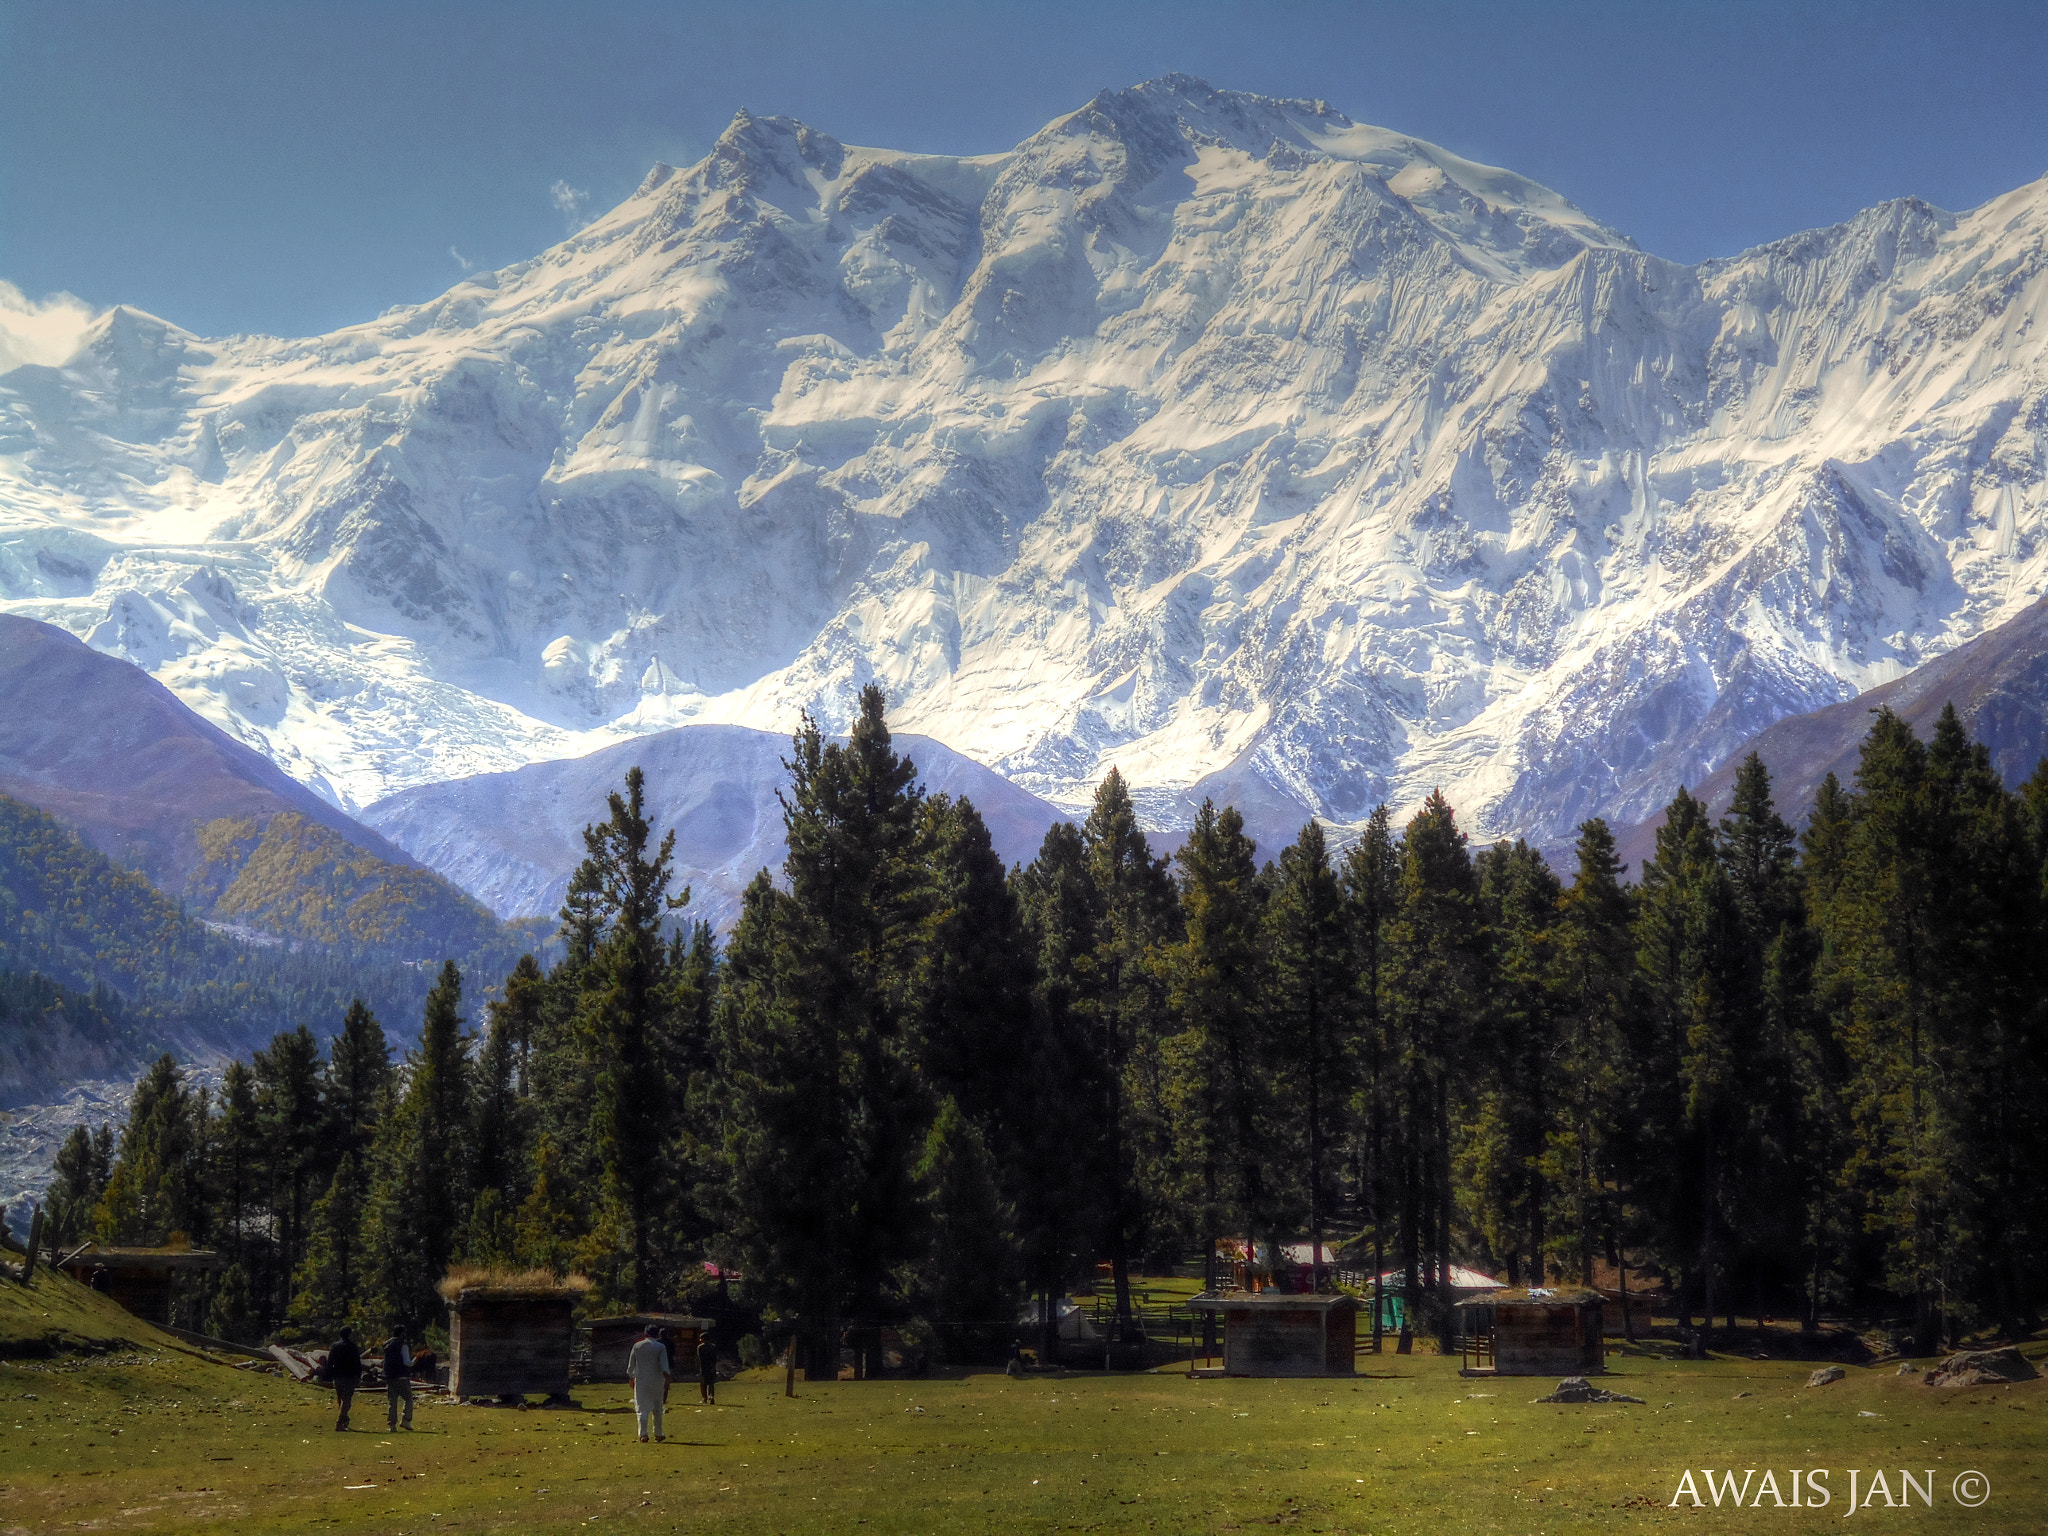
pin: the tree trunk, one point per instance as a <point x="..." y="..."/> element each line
<point x="1209" y="1288"/>
<point x="1707" y="1235"/>
<point x="1411" y="1218"/>
<point x="1445" y="1290"/>
<point x="1119" y="1258"/>
<point x="1315" y="1175"/>
<point x="643" y="1278"/>
<point x="1379" y="1268"/>
<point x="1586" y="1211"/>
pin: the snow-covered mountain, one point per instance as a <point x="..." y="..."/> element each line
<point x="1202" y="433"/>
<point x="514" y="839"/>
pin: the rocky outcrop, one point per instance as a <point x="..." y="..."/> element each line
<point x="1576" y="1389"/>
<point x="1983" y="1368"/>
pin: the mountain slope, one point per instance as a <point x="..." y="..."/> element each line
<point x="99" y="970"/>
<point x="515" y="838"/>
<point x="1202" y="433"/>
<point x="104" y="746"/>
<point x="111" y="752"/>
<point x="1997" y="682"/>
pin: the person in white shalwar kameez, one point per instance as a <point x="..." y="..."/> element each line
<point x="648" y="1367"/>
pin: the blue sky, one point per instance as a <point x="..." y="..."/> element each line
<point x="302" y="164"/>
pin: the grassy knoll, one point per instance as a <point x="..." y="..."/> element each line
<point x="56" y="1315"/>
<point x="151" y="1439"/>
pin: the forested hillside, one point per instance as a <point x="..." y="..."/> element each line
<point x="1791" y="1073"/>
<point x="98" y="969"/>
<point x="113" y="754"/>
<point x="293" y="876"/>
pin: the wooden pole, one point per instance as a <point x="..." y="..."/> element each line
<point x="35" y="1243"/>
<point x="789" y="1368"/>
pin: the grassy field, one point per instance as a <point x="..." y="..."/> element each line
<point x="143" y="1437"/>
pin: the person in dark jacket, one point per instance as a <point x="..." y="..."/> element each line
<point x="345" y="1370"/>
<point x="707" y="1370"/>
<point x="397" y="1378"/>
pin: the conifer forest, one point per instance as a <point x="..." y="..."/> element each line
<point x="1784" y="1072"/>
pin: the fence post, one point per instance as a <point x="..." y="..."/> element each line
<point x="35" y="1243"/>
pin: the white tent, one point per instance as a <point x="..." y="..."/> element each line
<point x="1075" y="1326"/>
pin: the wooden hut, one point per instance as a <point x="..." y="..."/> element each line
<point x="137" y="1278"/>
<point x="1275" y="1334"/>
<point x="1544" y="1333"/>
<point x="612" y="1339"/>
<point x="510" y="1335"/>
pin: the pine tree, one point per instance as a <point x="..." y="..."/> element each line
<point x="421" y="1189"/>
<point x="1689" y="948"/>
<point x="521" y="1011"/>
<point x="499" y="1137"/>
<point x="1597" y="1003"/>
<point x="1890" y="938"/>
<point x="359" y="1073"/>
<point x="232" y="1313"/>
<point x="1770" y="1162"/>
<point x="328" y="1288"/>
<point x="692" y="1006"/>
<point x="1120" y="995"/>
<point x="490" y="1233"/>
<point x="1438" y="991"/>
<point x="546" y="1230"/>
<point x="238" y="1158"/>
<point x="1520" y="1152"/>
<point x="972" y="985"/>
<point x="1820" y="1067"/>
<point x="828" y="1111"/>
<point x="156" y="1192"/>
<point x="1372" y="893"/>
<point x="1311" y="1005"/>
<point x="82" y="1167"/>
<point x="297" y="1165"/>
<point x="1220" y="979"/>
<point x="622" y="1014"/>
<point x="969" y="1273"/>
<point x="1062" y="1164"/>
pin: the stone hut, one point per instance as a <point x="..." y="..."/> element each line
<point x="613" y="1338"/>
<point x="1276" y="1334"/>
<point x="510" y="1335"/>
<point x="1546" y="1333"/>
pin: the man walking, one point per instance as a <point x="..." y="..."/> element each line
<point x="397" y="1378"/>
<point x="707" y="1370"/>
<point x="647" y="1365"/>
<point x="345" y="1369"/>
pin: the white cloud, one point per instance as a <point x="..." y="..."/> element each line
<point x="45" y="330"/>
<point x="461" y="260"/>
<point x="573" y="203"/>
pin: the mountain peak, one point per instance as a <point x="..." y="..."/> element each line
<point x="784" y="146"/>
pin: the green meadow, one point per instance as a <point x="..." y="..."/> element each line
<point x="120" y="1428"/>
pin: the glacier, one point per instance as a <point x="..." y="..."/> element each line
<point x="1213" y="436"/>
